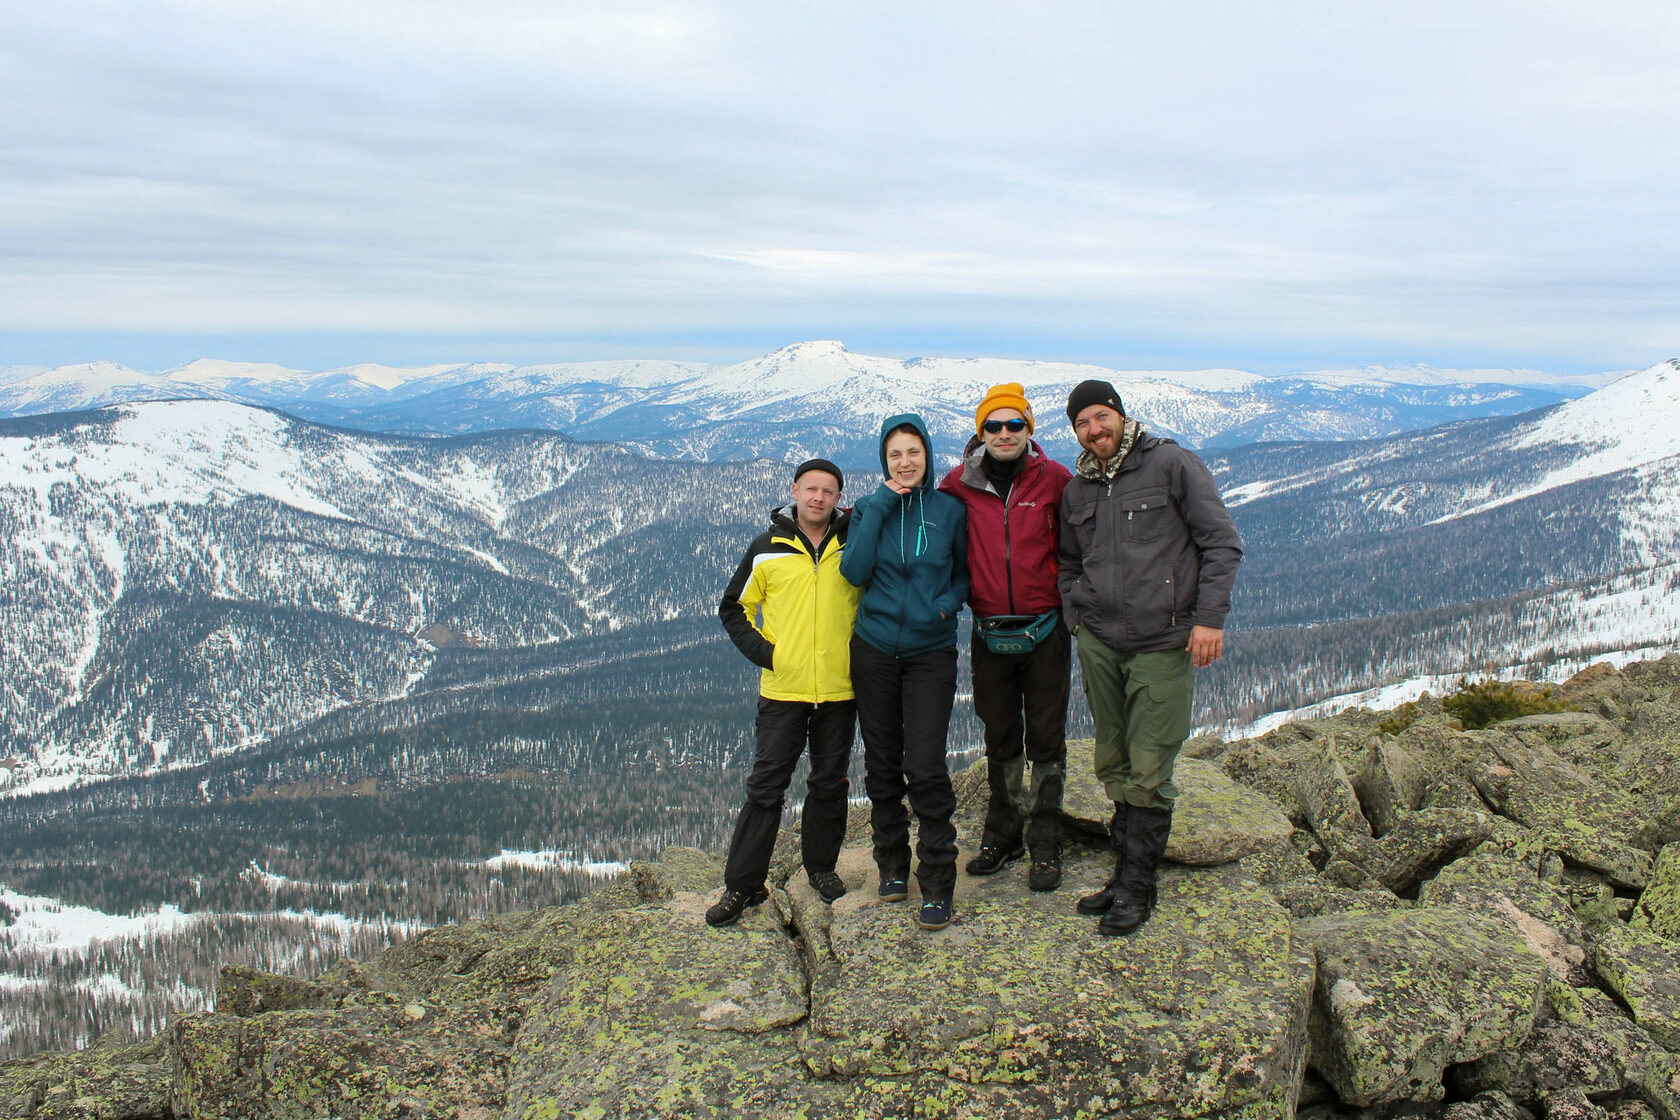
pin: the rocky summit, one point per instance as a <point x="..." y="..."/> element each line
<point x="1372" y="915"/>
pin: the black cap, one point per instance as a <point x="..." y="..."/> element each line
<point x="820" y="465"/>
<point x="1087" y="393"/>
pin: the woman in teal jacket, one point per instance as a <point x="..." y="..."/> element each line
<point x="908" y="550"/>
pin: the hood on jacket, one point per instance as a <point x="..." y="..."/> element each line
<point x="914" y="421"/>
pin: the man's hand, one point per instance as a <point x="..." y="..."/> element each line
<point x="1206" y="644"/>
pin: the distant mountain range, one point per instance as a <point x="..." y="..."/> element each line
<point x="193" y="581"/>
<point x="807" y="399"/>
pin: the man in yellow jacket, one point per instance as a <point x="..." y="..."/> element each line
<point x="789" y="610"/>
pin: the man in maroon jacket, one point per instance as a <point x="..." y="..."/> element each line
<point x="1020" y="653"/>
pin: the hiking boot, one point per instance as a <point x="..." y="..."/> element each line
<point x="1134" y="893"/>
<point x="1046" y="873"/>
<point x="990" y="860"/>
<point x="894" y="888"/>
<point x="936" y="913"/>
<point x="1124" y="917"/>
<point x="1118" y="827"/>
<point x="1099" y="903"/>
<point x="827" y="883"/>
<point x="727" y="910"/>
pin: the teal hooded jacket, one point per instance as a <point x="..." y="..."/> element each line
<point x="909" y="554"/>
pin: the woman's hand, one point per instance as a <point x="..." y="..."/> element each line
<point x="896" y="486"/>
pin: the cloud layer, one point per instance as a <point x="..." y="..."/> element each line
<point x="1428" y="181"/>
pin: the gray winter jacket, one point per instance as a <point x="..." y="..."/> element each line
<point x="1148" y="554"/>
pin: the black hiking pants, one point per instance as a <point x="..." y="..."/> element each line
<point x="1022" y="699"/>
<point x="784" y="728"/>
<point x="904" y="712"/>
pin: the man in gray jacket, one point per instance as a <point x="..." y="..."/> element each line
<point x="1148" y="555"/>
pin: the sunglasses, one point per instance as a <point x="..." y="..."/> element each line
<point x="993" y="427"/>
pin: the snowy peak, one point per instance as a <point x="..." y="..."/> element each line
<point x="807" y="397"/>
<point x="389" y="377"/>
<point x="213" y="371"/>
<point x="1629" y="423"/>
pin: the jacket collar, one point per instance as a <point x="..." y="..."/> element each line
<point x="974" y="474"/>
<point x="1132" y="436"/>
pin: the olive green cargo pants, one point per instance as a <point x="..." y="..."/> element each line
<point x="1140" y="703"/>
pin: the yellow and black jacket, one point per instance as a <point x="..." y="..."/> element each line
<point x="790" y="611"/>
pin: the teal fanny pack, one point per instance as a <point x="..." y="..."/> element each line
<point x="1015" y="633"/>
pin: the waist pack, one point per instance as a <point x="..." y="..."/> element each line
<point x="1015" y="633"/>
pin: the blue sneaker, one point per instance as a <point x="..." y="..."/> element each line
<point x="936" y="913"/>
<point x="894" y="888"/>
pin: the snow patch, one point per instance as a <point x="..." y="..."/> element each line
<point x="559" y="860"/>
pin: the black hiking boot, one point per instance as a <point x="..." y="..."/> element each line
<point x="1046" y="871"/>
<point x="1099" y="903"/>
<point x="727" y="910"/>
<point x="828" y="884"/>
<point x="991" y="859"/>
<point x="1134" y="895"/>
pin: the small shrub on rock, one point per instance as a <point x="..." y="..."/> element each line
<point x="1399" y="719"/>
<point x="1485" y="702"/>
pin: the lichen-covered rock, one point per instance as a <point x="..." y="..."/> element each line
<point x="356" y="1063"/>
<point x="248" y="991"/>
<point x="1215" y="820"/>
<point x="1300" y="770"/>
<point x="655" y="1013"/>
<point x="1018" y="1008"/>
<point x="1403" y="994"/>
<point x="1593" y="1048"/>
<point x="1492" y="1105"/>
<point x="1203" y="1012"/>
<point x="1658" y="909"/>
<point x="1643" y="969"/>
<point x="425" y="1029"/>
<point x="1390" y="782"/>
<point x="1422" y="842"/>
<point x="1311" y="896"/>
<point x="1492" y="883"/>
<point x="1629" y="1110"/>
<point x="1588" y="1054"/>
<point x="1536" y="774"/>
<point x="103" y="1082"/>
<point x="1572" y="1104"/>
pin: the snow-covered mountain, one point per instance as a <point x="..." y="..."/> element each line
<point x="1538" y="542"/>
<point x="805" y="399"/>
<point x="183" y="580"/>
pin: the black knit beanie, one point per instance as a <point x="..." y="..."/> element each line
<point x="1087" y="393"/>
<point x="820" y="465"/>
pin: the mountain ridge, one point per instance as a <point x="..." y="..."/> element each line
<point x="148" y="540"/>
<point x="803" y="399"/>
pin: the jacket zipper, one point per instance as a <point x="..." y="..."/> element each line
<point x="1008" y="565"/>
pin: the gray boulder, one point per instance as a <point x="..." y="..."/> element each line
<point x="1391" y="781"/>
<point x="1421" y="843"/>
<point x="1491" y="883"/>
<point x="1658" y="909"/>
<point x="1215" y="820"/>
<point x="1403" y="994"/>
<point x="1591" y="1048"/>
<point x="1643" y="970"/>
<point x="1303" y="773"/>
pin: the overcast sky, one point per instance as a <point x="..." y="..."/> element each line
<point x="1269" y="186"/>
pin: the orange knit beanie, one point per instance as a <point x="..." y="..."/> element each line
<point x="1008" y="395"/>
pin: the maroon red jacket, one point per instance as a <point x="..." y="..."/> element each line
<point x="1011" y="538"/>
